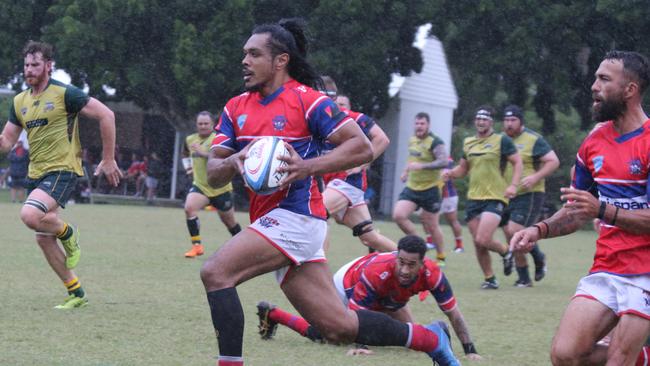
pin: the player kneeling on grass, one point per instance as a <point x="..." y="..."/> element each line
<point x="382" y="282"/>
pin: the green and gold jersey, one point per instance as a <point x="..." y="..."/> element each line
<point x="51" y="122"/>
<point x="487" y="158"/>
<point x="532" y="147"/>
<point x="199" y="165"/>
<point x="421" y="151"/>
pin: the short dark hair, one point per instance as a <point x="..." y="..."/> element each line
<point x="413" y="244"/>
<point x="424" y="115"/>
<point x="206" y="113"/>
<point x="635" y="67"/>
<point x="288" y="36"/>
<point x="33" y="47"/>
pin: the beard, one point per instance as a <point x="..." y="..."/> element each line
<point x="609" y="110"/>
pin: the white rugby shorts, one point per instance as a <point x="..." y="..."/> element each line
<point x="300" y="238"/>
<point x="338" y="281"/>
<point x="354" y="195"/>
<point x="622" y="294"/>
<point x="449" y="204"/>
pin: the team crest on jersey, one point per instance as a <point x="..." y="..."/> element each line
<point x="241" y="120"/>
<point x="279" y="122"/>
<point x="520" y="146"/>
<point x="267" y="222"/>
<point x="302" y="88"/>
<point x="635" y="167"/>
<point x="23" y="111"/>
<point x="598" y="162"/>
<point x="487" y="146"/>
<point x="49" y="106"/>
<point x="383" y="275"/>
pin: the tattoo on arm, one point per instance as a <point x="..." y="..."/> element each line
<point x="564" y="223"/>
<point x="441" y="158"/>
<point x="460" y="327"/>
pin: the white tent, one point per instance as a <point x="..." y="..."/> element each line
<point x="431" y="91"/>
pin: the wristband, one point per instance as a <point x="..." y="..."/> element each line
<point x="601" y="210"/>
<point x="615" y="216"/>
<point x="539" y="230"/>
<point x="469" y="348"/>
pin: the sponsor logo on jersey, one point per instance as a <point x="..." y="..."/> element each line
<point x="23" y="110"/>
<point x="487" y="146"/>
<point x="279" y="122"/>
<point x="635" y="167"/>
<point x="598" y="162"/>
<point x="37" y="123"/>
<point x="241" y="120"/>
<point x="302" y="88"/>
<point x="49" y="106"/>
<point x="267" y="222"/>
<point x="633" y="203"/>
<point x="520" y="146"/>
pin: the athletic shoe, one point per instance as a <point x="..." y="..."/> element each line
<point x="459" y="250"/>
<point x="196" y="250"/>
<point x="490" y="285"/>
<point x="508" y="263"/>
<point x="540" y="268"/>
<point x="71" y="247"/>
<point x="267" y="327"/>
<point x="442" y="355"/>
<point x="522" y="283"/>
<point x="72" y="302"/>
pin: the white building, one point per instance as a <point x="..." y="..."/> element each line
<point x="431" y="91"/>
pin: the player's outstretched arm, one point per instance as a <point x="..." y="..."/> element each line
<point x="96" y="110"/>
<point x="462" y="332"/>
<point x="224" y="164"/>
<point x="9" y="136"/>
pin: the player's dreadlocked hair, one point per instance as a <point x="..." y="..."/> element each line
<point x="288" y="36"/>
<point x="412" y="244"/>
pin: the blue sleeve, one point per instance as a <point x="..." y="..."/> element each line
<point x="583" y="180"/>
<point x="325" y="118"/>
<point x="444" y="295"/>
<point x="225" y="133"/>
<point x="366" y="123"/>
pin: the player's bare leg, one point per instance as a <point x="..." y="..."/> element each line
<point x="430" y="222"/>
<point x="452" y="220"/>
<point x="228" y="217"/>
<point x="628" y="339"/>
<point x="39" y="221"/>
<point x="334" y="200"/>
<point x="585" y="322"/>
<point x="401" y="212"/>
<point x="371" y="237"/>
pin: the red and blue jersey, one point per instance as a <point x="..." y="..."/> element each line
<point x="448" y="188"/>
<point x="371" y="283"/>
<point x="297" y="114"/>
<point x="615" y="168"/>
<point x="360" y="179"/>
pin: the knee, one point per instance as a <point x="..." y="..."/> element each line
<point x="563" y="356"/>
<point x="213" y="277"/>
<point x="399" y="216"/>
<point x="481" y="241"/>
<point x="30" y="218"/>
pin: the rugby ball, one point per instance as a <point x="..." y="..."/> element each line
<point x="261" y="164"/>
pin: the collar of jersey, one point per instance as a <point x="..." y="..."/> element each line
<point x="49" y="82"/>
<point x="629" y="135"/>
<point x="271" y="97"/>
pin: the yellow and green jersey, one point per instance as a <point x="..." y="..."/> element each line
<point x="51" y="122"/>
<point x="199" y="165"/>
<point x="421" y="151"/>
<point x="487" y="158"/>
<point x="532" y="147"/>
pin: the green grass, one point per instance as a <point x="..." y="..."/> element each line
<point x="148" y="306"/>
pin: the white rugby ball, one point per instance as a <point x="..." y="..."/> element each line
<point x="261" y="164"/>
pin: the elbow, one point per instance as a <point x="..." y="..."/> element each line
<point x="366" y="153"/>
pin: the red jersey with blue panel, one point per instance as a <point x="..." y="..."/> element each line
<point x="298" y="115"/>
<point x="371" y="283"/>
<point x="448" y="188"/>
<point x="615" y="168"/>
<point x="358" y="180"/>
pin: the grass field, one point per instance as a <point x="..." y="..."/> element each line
<point x="148" y="306"/>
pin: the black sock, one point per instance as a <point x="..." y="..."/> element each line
<point x="537" y="254"/>
<point x="523" y="274"/>
<point x="492" y="279"/>
<point x="234" y="230"/>
<point x="193" y="226"/>
<point x="314" y="334"/>
<point x="228" y="320"/>
<point x="378" y="329"/>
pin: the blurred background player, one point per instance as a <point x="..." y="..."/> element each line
<point x="48" y="110"/>
<point x="17" y="172"/>
<point x="609" y="183"/>
<point x="344" y="191"/>
<point x="197" y="151"/>
<point x="484" y="159"/>
<point x="382" y="282"/>
<point x="427" y="156"/>
<point x="449" y="210"/>
<point x="288" y="228"/>
<point x="539" y="161"/>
